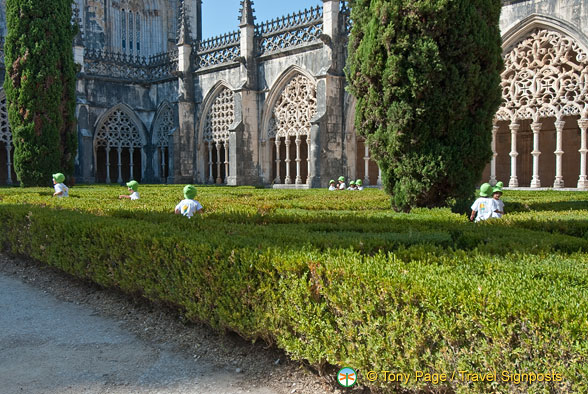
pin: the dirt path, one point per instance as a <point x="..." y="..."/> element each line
<point x="61" y="335"/>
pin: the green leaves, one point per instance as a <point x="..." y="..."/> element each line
<point x="336" y="278"/>
<point x="40" y="88"/>
<point x="426" y="78"/>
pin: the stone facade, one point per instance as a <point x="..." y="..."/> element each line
<point x="266" y="104"/>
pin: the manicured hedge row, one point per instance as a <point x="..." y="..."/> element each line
<point x="426" y="291"/>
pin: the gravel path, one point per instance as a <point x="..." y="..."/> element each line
<point x="61" y="335"/>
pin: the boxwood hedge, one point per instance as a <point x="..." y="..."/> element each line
<point x="337" y="279"/>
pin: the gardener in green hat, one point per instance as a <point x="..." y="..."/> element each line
<point x="351" y="186"/>
<point x="188" y="206"/>
<point x="60" y="189"/>
<point x="133" y="187"/>
<point x="342" y="185"/>
<point x="358" y="184"/>
<point x="498" y="203"/>
<point x="332" y="185"/>
<point x="483" y="207"/>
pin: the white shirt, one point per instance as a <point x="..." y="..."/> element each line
<point x="359" y="188"/>
<point x="188" y="207"/>
<point x="60" y="187"/>
<point x="342" y="186"/>
<point x="498" y="206"/>
<point x="331" y="188"/>
<point x="134" y="196"/>
<point x="484" y="206"/>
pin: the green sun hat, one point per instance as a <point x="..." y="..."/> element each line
<point x="331" y="181"/>
<point x="497" y="188"/>
<point x="189" y="192"/>
<point x="59" y="177"/>
<point x="352" y="183"/>
<point x="485" y="190"/>
<point x="359" y="182"/>
<point x="342" y="179"/>
<point x="134" y="185"/>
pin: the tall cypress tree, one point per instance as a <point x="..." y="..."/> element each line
<point x="426" y="75"/>
<point x="40" y="88"/>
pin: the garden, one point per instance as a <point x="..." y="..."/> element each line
<point x="337" y="279"/>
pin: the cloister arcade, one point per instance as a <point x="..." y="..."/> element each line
<point x="539" y="134"/>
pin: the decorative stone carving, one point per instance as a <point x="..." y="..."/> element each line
<point x="220" y="117"/>
<point x="219" y="50"/>
<point x="545" y="74"/>
<point x="290" y="31"/>
<point x="294" y="109"/>
<point x="118" y="131"/>
<point x="5" y="133"/>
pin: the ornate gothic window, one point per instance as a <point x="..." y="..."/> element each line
<point x="546" y="74"/>
<point x="5" y="133"/>
<point x="219" y="118"/>
<point x="118" y="148"/>
<point x="294" y="109"/>
<point x="289" y="128"/>
<point x="118" y="131"/>
<point x="163" y="127"/>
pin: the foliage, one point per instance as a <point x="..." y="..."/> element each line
<point x="426" y="77"/>
<point x="40" y="88"/>
<point x="337" y="279"/>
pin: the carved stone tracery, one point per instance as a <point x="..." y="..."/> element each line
<point x="546" y="75"/>
<point x="118" y="131"/>
<point x="220" y="117"/>
<point x="5" y="133"/>
<point x="294" y="109"/>
<point x="165" y="124"/>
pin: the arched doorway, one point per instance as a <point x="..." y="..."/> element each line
<point x="163" y="128"/>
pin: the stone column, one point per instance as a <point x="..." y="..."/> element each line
<point x="308" y="159"/>
<point x="514" y="181"/>
<point x="366" y="159"/>
<point x="226" y="145"/>
<point x="583" y="180"/>
<point x="288" y="180"/>
<point x="219" y="179"/>
<point x="119" y="151"/>
<point x="107" y="164"/>
<point x="536" y="127"/>
<point x="559" y="181"/>
<point x="8" y="164"/>
<point x="379" y="176"/>
<point x="131" y="163"/>
<point x="493" y="179"/>
<point x="210" y="177"/>
<point x="298" y="160"/>
<point x="278" y="143"/>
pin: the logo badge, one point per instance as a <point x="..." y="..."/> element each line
<point x="347" y="377"/>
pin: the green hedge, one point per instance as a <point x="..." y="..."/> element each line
<point x="372" y="290"/>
